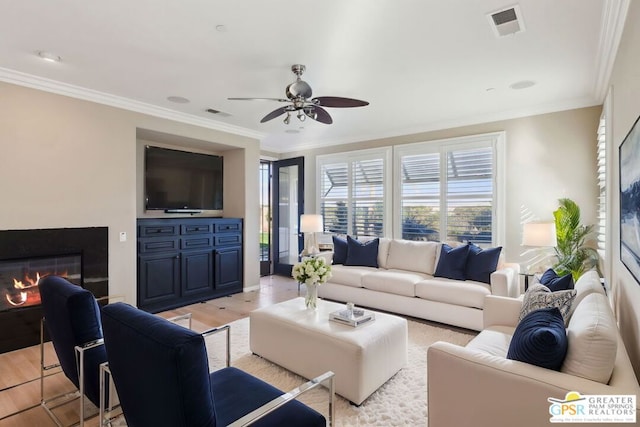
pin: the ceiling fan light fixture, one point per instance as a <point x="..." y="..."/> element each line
<point x="301" y="116"/>
<point x="287" y="119"/>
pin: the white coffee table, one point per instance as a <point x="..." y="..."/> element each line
<point x="307" y="343"/>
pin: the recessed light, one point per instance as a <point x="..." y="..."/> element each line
<point x="48" y="56"/>
<point x="523" y="84"/>
<point x="178" y="99"/>
<point x="490" y="89"/>
<point x="221" y="28"/>
<point x="292" y="131"/>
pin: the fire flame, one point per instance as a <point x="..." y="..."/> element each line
<point x="32" y="283"/>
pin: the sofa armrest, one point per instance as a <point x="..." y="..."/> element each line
<point x="503" y="392"/>
<point x="505" y="282"/>
<point x="501" y="311"/>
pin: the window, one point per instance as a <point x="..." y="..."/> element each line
<point x="353" y="192"/>
<point x="446" y="190"/>
<point x="442" y="190"/>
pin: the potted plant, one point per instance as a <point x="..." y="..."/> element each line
<point x="573" y="255"/>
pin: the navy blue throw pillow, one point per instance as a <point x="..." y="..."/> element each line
<point x="453" y="262"/>
<point x="339" y="250"/>
<point x="481" y="263"/>
<point x="556" y="283"/>
<point x="540" y="339"/>
<point x="362" y="254"/>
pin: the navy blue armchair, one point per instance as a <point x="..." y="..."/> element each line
<point x="72" y="319"/>
<point x="161" y="375"/>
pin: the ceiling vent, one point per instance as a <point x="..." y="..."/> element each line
<point x="217" y="112"/>
<point x="506" y="21"/>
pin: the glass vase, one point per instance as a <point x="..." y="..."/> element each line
<point x="311" y="299"/>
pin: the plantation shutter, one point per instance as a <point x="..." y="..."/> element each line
<point x="334" y="196"/>
<point x="602" y="186"/>
<point x="367" y="197"/>
<point x="352" y="192"/>
<point x="469" y="194"/>
<point x="420" y="205"/>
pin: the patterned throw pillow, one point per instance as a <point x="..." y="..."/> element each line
<point x="539" y="296"/>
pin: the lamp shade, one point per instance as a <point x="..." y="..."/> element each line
<point x="539" y="234"/>
<point x="311" y="223"/>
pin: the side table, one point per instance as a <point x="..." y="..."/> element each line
<point x="526" y="279"/>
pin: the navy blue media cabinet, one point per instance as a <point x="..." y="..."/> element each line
<point x="187" y="260"/>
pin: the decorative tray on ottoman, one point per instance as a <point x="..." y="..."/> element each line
<point x="355" y="317"/>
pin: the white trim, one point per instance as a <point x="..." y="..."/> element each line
<point x="53" y="86"/>
<point x="614" y="14"/>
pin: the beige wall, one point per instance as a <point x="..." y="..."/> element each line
<point x="625" y="86"/>
<point x="65" y="162"/>
<point x="549" y="156"/>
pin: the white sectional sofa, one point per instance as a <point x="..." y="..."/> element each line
<point x="477" y="385"/>
<point x="404" y="283"/>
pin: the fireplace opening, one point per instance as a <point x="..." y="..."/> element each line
<point x="19" y="278"/>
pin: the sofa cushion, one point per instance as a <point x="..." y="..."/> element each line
<point x="481" y="263"/>
<point x="452" y="263"/>
<point x="587" y="284"/>
<point x="593" y="340"/>
<point x="539" y="296"/>
<point x="540" y="339"/>
<point x="349" y="276"/>
<point x="466" y="294"/>
<point x="397" y="282"/>
<point x="363" y="254"/>
<point x="493" y="340"/>
<point x="412" y="256"/>
<point x="383" y="251"/>
<point x="556" y="283"/>
<point x="339" y="250"/>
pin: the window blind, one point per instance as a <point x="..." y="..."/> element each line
<point x="353" y="192"/>
<point x="602" y="185"/>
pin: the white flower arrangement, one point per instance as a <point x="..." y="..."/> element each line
<point x="312" y="271"/>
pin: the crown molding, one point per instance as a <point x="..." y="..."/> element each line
<point x="60" y="88"/>
<point x="614" y="15"/>
<point x="441" y="125"/>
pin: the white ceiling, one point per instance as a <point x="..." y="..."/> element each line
<point x="422" y="64"/>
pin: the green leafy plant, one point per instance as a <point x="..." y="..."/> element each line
<point x="574" y="256"/>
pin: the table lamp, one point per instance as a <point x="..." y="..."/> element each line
<point x="310" y="224"/>
<point x="539" y="235"/>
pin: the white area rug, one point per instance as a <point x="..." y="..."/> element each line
<point x="401" y="401"/>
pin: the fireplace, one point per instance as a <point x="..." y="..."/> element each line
<point x="78" y="254"/>
<point x="20" y="277"/>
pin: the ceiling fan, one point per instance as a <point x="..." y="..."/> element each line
<point x="298" y="96"/>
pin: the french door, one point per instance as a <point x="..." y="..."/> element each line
<point x="288" y="205"/>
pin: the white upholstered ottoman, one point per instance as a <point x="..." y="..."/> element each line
<point x="307" y="343"/>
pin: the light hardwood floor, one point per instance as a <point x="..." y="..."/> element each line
<point x="23" y="366"/>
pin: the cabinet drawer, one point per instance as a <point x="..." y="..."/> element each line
<point x="151" y="245"/>
<point x="195" y="228"/>
<point x="196" y="242"/>
<point x="158" y="230"/>
<point x="228" y="239"/>
<point x="225" y="227"/>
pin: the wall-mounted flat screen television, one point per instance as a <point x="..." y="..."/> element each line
<point x="182" y="181"/>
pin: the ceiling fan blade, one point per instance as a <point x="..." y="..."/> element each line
<point x="322" y="116"/>
<point x="338" y="102"/>
<point x="275" y="113"/>
<point x="259" y="99"/>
